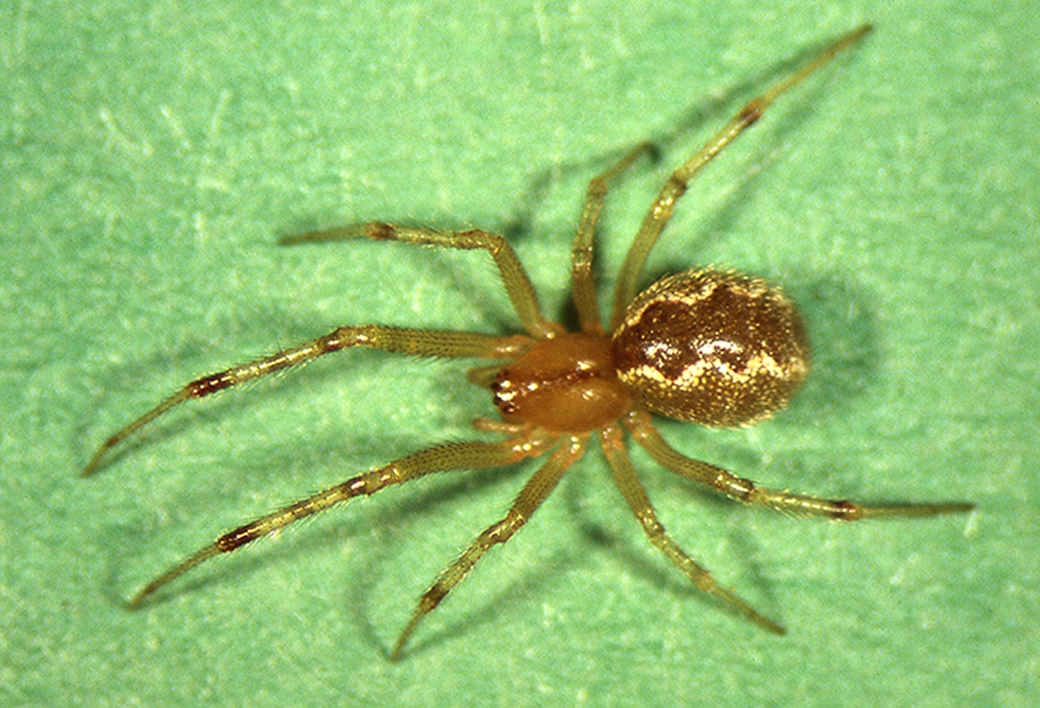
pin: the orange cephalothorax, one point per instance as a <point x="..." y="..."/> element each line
<point x="566" y="384"/>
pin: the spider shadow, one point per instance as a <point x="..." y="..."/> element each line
<point x="845" y="361"/>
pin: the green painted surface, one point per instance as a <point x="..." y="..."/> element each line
<point x="153" y="153"/>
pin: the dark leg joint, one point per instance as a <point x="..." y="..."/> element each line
<point x="737" y="487"/>
<point x="237" y="538"/>
<point x="341" y="339"/>
<point x="846" y="511"/>
<point x="209" y="384"/>
<point x="379" y="231"/>
<point x="431" y="599"/>
<point x="751" y="112"/>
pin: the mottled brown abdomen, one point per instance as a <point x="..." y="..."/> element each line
<point x="711" y="347"/>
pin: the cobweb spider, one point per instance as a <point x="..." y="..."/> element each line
<point x="711" y="347"/>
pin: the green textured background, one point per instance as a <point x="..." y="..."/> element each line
<point x="154" y="151"/>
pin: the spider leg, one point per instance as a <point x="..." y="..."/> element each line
<point x="747" y="491"/>
<point x="661" y="210"/>
<point x="635" y="494"/>
<point x="514" y="277"/>
<point x="452" y="456"/>
<point x="527" y="502"/>
<point x="584" y="287"/>
<point x="405" y="341"/>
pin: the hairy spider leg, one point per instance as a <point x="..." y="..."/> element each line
<point x="583" y="284"/>
<point x="441" y="458"/>
<point x="661" y="209"/>
<point x="393" y="339"/>
<point x="527" y="502"/>
<point x="407" y="341"/>
<point x="514" y="277"/>
<point x="635" y="494"/>
<point x="744" y="490"/>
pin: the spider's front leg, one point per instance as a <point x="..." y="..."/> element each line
<point x="392" y="339"/>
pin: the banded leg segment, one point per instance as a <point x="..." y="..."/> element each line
<point x="514" y="277"/>
<point x="585" y="301"/>
<point x="393" y="339"/>
<point x="661" y="210"/>
<point x="453" y="456"/>
<point x="745" y="490"/>
<point x="527" y="502"/>
<point x="635" y="494"/>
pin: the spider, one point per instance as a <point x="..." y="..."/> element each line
<point x="706" y="346"/>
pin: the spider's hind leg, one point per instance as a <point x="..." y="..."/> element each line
<point x="635" y="494"/>
<point x="746" y="491"/>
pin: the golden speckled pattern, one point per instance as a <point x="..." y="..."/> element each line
<point x="710" y="347"/>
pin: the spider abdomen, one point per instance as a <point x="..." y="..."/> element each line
<point x="710" y="347"/>
<point x="566" y="384"/>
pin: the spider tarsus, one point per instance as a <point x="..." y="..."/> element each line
<point x="95" y="462"/>
<point x="845" y="510"/>
<point x="771" y="626"/>
<point x="912" y="510"/>
<point x="709" y="586"/>
<point x="173" y="573"/>
<point x="760" y="619"/>
<point x="863" y="29"/>
<point x="375" y="230"/>
<point x="141" y="597"/>
<point x="135" y="602"/>
<point x="398" y="651"/>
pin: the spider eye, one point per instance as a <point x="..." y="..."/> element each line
<point x="713" y="348"/>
